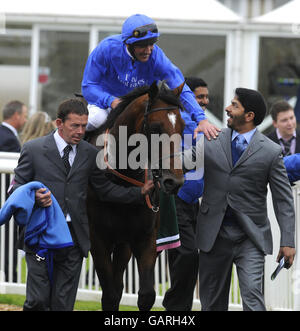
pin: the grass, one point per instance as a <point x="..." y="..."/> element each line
<point x="18" y="300"/>
<point x="12" y="299"/>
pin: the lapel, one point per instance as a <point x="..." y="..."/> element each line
<point x="225" y="141"/>
<point x="52" y="154"/>
<point x="254" y="146"/>
<point x="80" y="158"/>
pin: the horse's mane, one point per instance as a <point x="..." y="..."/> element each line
<point x="125" y="101"/>
<point x="168" y="96"/>
<point x="164" y="94"/>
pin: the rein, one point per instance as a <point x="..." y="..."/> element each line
<point x="156" y="174"/>
<point x="154" y="208"/>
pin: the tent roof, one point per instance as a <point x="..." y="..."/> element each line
<point x="286" y="14"/>
<point x="192" y="10"/>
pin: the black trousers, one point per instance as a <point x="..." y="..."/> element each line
<point x="41" y="295"/>
<point x="184" y="260"/>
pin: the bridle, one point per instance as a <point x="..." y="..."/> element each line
<point x="156" y="173"/>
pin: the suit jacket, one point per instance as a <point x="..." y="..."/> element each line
<point x="244" y="188"/>
<point x="273" y="136"/>
<point x="8" y="141"/>
<point x="40" y="161"/>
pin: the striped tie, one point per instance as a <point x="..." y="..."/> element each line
<point x="287" y="146"/>
<point x="65" y="157"/>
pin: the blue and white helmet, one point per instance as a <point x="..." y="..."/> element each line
<point x="137" y="28"/>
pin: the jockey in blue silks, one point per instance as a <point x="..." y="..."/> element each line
<point x="131" y="59"/>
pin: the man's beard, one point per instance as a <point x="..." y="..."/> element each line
<point x="236" y="122"/>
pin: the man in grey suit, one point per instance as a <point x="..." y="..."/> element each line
<point x="233" y="226"/>
<point x="65" y="164"/>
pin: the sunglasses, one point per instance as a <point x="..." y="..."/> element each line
<point x="141" y="31"/>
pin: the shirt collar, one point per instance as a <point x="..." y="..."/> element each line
<point x="127" y="51"/>
<point x="61" y="143"/>
<point x="247" y="135"/>
<point x="280" y="136"/>
<point x="15" y="132"/>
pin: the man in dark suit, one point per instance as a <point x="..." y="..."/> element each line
<point x="14" y="118"/>
<point x="184" y="260"/>
<point x="65" y="164"/>
<point x="285" y="124"/>
<point x="233" y="224"/>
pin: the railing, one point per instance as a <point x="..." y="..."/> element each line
<point x="281" y="294"/>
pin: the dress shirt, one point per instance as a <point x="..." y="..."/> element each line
<point x="61" y="144"/>
<point x="293" y="143"/>
<point x="247" y="135"/>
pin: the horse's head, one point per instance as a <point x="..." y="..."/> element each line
<point x="163" y="126"/>
<point x="147" y="126"/>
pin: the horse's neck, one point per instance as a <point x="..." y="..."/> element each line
<point x="132" y="116"/>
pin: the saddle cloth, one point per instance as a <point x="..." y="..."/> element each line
<point x="168" y="233"/>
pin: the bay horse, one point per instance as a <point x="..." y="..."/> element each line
<point x="118" y="230"/>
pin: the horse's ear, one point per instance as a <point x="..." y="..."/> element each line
<point x="177" y="91"/>
<point x="153" y="90"/>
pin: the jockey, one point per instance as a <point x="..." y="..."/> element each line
<point x="131" y="59"/>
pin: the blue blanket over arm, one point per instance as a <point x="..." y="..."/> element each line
<point x="46" y="228"/>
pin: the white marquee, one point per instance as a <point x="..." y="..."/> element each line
<point x="191" y="10"/>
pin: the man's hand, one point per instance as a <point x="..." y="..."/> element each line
<point x="209" y="130"/>
<point x="148" y="187"/>
<point x="43" y="199"/>
<point x="288" y="253"/>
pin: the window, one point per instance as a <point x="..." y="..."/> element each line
<point x="62" y="60"/>
<point x="200" y="56"/>
<point x="14" y="67"/>
<point x="279" y="69"/>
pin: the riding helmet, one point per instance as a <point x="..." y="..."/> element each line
<point x="138" y="28"/>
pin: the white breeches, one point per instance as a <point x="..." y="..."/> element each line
<point x="97" y="116"/>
